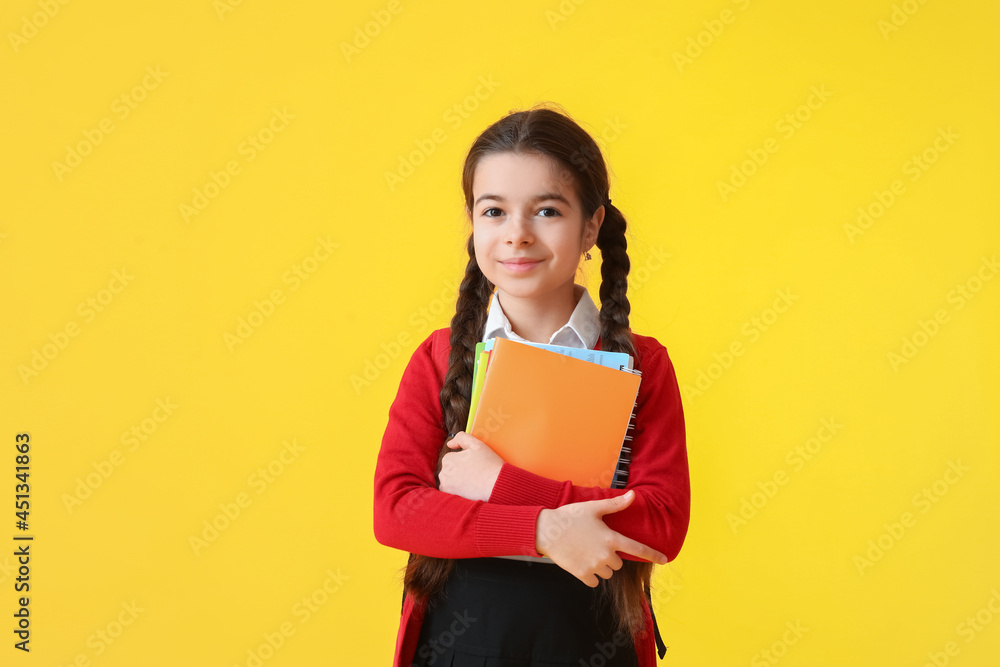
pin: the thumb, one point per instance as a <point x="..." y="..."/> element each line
<point x="619" y="503"/>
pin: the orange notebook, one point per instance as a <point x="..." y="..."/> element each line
<point x="555" y="416"/>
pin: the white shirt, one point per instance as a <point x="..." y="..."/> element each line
<point x="582" y="330"/>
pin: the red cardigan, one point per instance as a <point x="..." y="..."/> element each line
<point x="411" y="514"/>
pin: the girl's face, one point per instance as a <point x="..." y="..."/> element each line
<point x="528" y="227"/>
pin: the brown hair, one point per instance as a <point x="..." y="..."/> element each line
<point x="548" y="132"/>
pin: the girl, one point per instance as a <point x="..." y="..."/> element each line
<point x="475" y="589"/>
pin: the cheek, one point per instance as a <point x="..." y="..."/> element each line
<point x="481" y="244"/>
<point x="571" y="249"/>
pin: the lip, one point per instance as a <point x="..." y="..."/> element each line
<point x="520" y="265"/>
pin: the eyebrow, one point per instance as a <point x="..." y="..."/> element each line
<point x="546" y="196"/>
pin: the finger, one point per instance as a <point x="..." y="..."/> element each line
<point x="616" y="504"/>
<point x="640" y="550"/>
<point x="470" y="439"/>
<point x="458" y="440"/>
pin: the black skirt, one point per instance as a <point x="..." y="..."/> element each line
<point x="497" y="612"/>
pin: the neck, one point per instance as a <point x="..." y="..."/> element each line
<point x="536" y="319"/>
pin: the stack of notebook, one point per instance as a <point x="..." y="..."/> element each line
<point x="560" y="412"/>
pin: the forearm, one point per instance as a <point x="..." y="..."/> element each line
<point x="517" y="486"/>
<point x="427" y="521"/>
<point x="655" y="520"/>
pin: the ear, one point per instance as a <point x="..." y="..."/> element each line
<point x="592" y="228"/>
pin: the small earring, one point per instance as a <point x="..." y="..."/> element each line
<point x="587" y="256"/>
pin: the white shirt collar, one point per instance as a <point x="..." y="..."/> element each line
<point x="582" y="330"/>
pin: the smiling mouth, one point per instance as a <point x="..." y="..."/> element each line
<point x="520" y="266"/>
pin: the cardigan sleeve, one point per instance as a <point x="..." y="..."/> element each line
<point x="410" y="512"/>
<point x="659" y="514"/>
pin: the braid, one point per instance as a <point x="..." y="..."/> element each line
<point x="466" y="330"/>
<point x="615" y="265"/>
<point x="425" y="574"/>
<point x="625" y="594"/>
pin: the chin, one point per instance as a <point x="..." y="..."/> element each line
<point x="526" y="289"/>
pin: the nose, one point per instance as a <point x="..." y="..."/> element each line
<point x="518" y="231"/>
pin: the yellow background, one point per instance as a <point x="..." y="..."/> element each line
<point x="894" y="76"/>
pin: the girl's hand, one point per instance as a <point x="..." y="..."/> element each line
<point x="471" y="471"/>
<point x="576" y="538"/>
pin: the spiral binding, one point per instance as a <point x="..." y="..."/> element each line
<point x="620" y="478"/>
